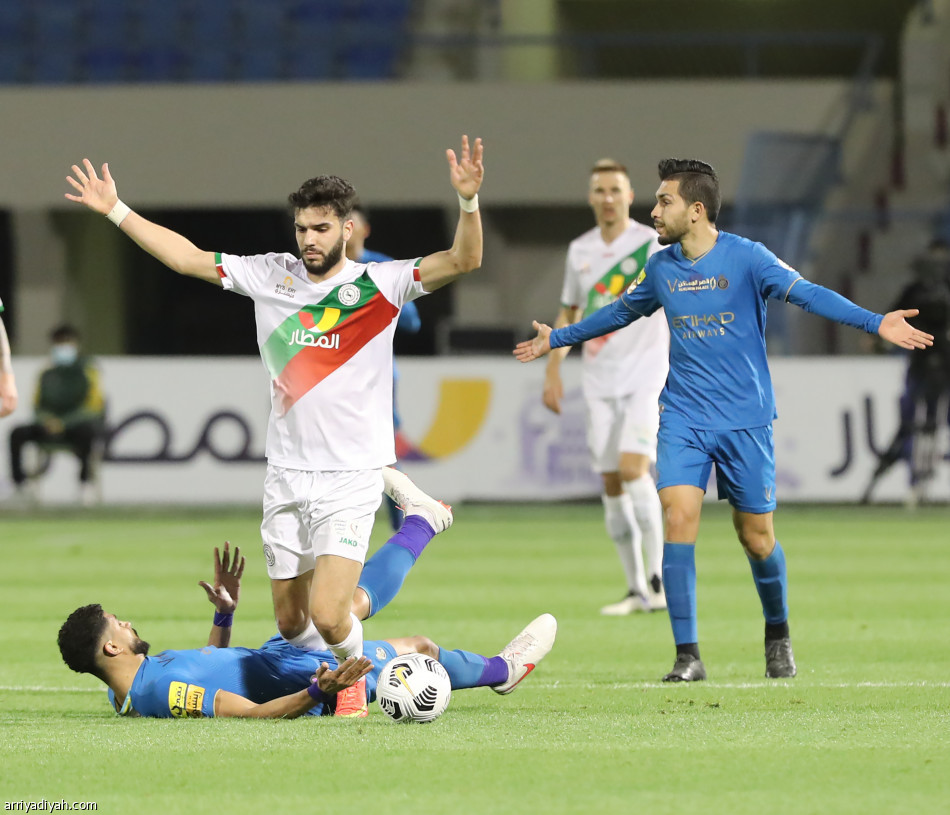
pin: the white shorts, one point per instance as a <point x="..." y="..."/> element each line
<point x="627" y="424"/>
<point x="312" y="513"/>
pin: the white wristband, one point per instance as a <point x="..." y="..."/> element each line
<point x="469" y="204"/>
<point x="118" y="212"/>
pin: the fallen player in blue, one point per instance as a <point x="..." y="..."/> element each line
<point x="278" y="680"/>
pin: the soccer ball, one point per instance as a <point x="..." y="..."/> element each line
<point x="413" y="688"/>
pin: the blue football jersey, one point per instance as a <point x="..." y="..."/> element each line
<point x="183" y="684"/>
<point x="719" y="375"/>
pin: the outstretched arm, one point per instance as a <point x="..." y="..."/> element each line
<point x="177" y="252"/>
<point x="465" y="173"/>
<point x="831" y="305"/>
<point x="225" y="593"/>
<point x="603" y="321"/>
<point x="8" y="392"/>
<point x="325" y="683"/>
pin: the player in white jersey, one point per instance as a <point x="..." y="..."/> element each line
<point x="324" y="326"/>
<point x="622" y="376"/>
<point x="8" y="392"/>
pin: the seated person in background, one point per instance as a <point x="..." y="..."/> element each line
<point x="68" y="410"/>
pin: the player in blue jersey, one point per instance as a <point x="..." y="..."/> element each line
<point x="277" y="680"/>
<point x="718" y="404"/>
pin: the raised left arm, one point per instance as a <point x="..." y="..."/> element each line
<point x="466" y="173"/>
<point x="225" y="593"/>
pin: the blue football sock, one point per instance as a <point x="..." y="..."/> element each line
<point x="679" y="582"/>
<point x="385" y="572"/>
<point x="772" y="584"/>
<point x="468" y="670"/>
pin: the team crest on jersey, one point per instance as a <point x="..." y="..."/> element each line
<point x="722" y="283"/>
<point x="349" y="294"/>
<point x="628" y="265"/>
<point x="638" y="279"/>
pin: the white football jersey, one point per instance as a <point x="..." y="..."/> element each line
<point x="328" y="349"/>
<point x="596" y="274"/>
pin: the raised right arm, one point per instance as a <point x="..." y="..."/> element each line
<point x="177" y="252"/>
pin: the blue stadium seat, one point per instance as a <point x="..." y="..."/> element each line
<point x="159" y="29"/>
<point x="209" y="47"/>
<point x="160" y="63"/>
<point x="261" y="39"/>
<point x="13" y="45"/>
<point x="57" y="25"/>
<point x="314" y="28"/>
<point x="376" y="29"/>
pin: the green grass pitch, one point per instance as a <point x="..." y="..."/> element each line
<point x="864" y="728"/>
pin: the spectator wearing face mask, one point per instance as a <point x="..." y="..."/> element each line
<point x="68" y="410"/>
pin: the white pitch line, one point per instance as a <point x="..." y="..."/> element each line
<point x="791" y="685"/>
<point x="44" y="689"/>
<point x="799" y="684"/>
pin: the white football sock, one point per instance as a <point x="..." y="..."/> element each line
<point x="649" y="519"/>
<point x="352" y="645"/>
<point x="623" y="531"/>
<point x="309" y="639"/>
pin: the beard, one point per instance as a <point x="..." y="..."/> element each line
<point x="670" y="236"/>
<point x="329" y="260"/>
<point x="140" y="646"/>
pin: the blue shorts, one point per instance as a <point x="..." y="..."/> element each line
<point x="744" y="459"/>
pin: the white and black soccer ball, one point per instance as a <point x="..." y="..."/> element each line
<point x="413" y="688"/>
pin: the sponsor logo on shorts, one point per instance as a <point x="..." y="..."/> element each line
<point x="768" y="493"/>
<point x="269" y="555"/>
<point x="349" y="294"/>
<point x="380" y="653"/>
<point x="348" y="533"/>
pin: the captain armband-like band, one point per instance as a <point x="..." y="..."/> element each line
<point x="223" y="620"/>
<point x="118" y="212"/>
<point x="469" y="204"/>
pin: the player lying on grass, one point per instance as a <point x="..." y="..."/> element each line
<point x="277" y="680"/>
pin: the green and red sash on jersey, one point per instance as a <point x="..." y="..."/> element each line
<point x="613" y="282"/>
<point x="311" y="344"/>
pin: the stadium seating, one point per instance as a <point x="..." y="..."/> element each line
<point x="95" y="41"/>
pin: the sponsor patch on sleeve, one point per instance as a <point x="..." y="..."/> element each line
<point x="184" y="700"/>
<point x="637" y="281"/>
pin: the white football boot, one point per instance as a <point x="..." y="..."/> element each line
<point x="413" y="501"/>
<point x="526" y="650"/>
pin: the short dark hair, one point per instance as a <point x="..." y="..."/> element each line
<point x="64" y="333"/>
<point x="698" y="182"/>
<point x="325" y="192"/>
<point x="608" y="165"/>
<point x="79" y="639"/>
